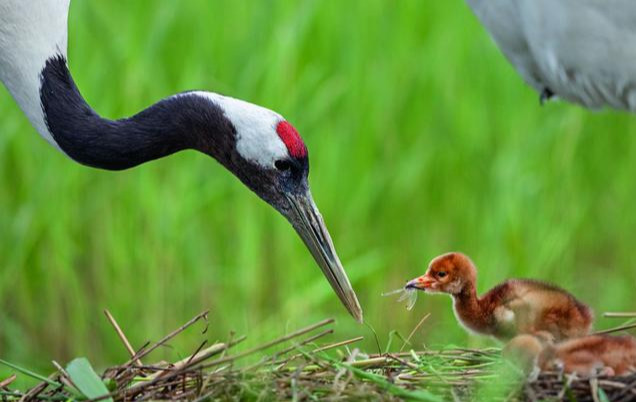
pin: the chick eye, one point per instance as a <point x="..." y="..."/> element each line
<point x="441" y="274"/>
<point x="282" y="165"/>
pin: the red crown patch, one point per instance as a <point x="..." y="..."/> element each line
<point x="291" y="139"/>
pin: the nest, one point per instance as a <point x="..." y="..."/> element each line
<point x="303" y="368"/>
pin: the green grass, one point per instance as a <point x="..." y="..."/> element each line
<point x="422" y="140"/>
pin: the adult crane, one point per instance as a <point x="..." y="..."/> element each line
<point x="583" y="51"/>
<point x="256" y="144"/>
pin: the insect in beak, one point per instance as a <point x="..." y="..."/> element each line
<point x="408" y="294"/>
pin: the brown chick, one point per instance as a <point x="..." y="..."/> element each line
<point x="517" y="306"/>
<point x="586" y="356"/>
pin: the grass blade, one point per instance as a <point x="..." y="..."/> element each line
<point x="30" y="373"/>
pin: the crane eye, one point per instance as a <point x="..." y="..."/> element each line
<point x="282" y="165"/>
<point x="441" y="274"/>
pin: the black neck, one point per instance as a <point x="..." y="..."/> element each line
<point x="186" y="121"/>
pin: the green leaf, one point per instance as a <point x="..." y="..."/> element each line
<point x="86" y="380"/>
<point x="602" y="396"/>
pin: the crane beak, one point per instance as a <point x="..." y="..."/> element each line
<point x="309" y="225"/>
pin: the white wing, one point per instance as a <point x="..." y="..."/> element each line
<point x="502" y="19"/>
<point x="584" y="51"/>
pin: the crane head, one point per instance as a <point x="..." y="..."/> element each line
<point x="268" y="155"/>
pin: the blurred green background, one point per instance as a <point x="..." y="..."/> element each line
<point x="422" y="140"/>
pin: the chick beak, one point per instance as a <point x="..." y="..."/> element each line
<point x="422" y="283"/>
<point x="309" y="225"/>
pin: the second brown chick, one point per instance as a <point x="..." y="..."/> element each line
<point x="586" y="356"/>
